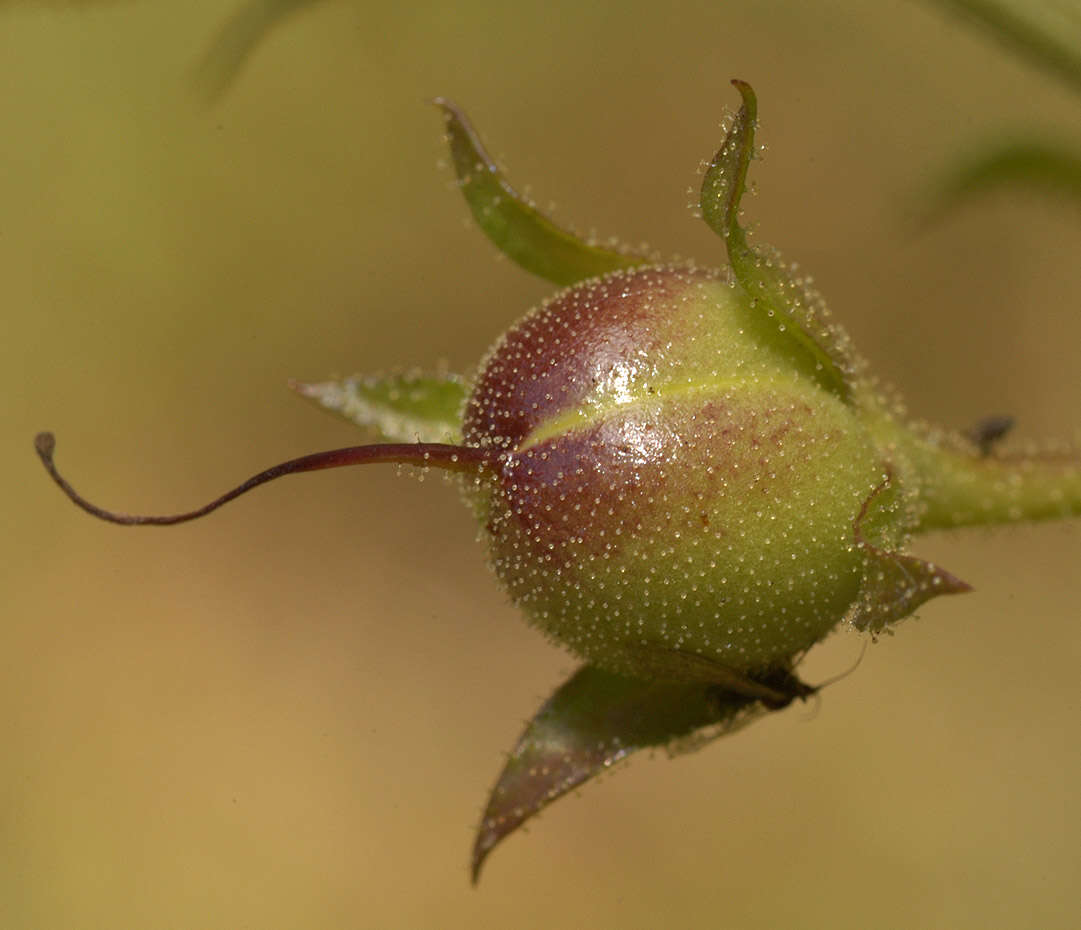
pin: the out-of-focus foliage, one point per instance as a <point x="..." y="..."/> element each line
<point x="1045" y="168"/>
<point x="239" y="38"/>
<point x="59" y="4"/>
<point x="1047" y="34"/>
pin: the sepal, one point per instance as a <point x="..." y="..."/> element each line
<point x="402" y="407"/>
<point x="794" y="313"/>
<point x="516" y="226"/>
<point x="594" y="720"/>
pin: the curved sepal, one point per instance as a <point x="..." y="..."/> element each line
<point x="796" y="313"/>
<point x="520" y="230"/>
<point x="594" y="720"/>
<point x="894" y="584"/>
<point x="409" y="407"/>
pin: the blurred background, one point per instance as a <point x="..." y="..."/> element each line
<point x="289" y="715"/>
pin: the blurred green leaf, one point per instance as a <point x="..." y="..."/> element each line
<point x="594" y="720"/>
<point x="59" y="4"/>
<point x="242" y="34"/>
<point x="1042" y="167"/>
<point x="1046" y="32"/>
<point x="519" y="229"/>
<point x="408" y="407"/>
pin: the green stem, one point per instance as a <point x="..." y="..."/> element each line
<point x="958" y="486"/>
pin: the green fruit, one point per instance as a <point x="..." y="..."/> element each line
<point x="669" y="486"/>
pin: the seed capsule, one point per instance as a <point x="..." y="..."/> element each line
<point x="669" y="485"/>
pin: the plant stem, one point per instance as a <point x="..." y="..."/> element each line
<point x="959" y="486"/>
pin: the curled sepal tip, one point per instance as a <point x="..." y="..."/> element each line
<point x="594" y="720"/>
<point x="465" y="459"/>
<point x="520" y="230"/>
<point x="785" y="304"/>
<point x="725" y="180"/>
<point x="894" y="584"/>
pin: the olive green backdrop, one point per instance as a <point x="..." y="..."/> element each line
<point x="289" y="715"/>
